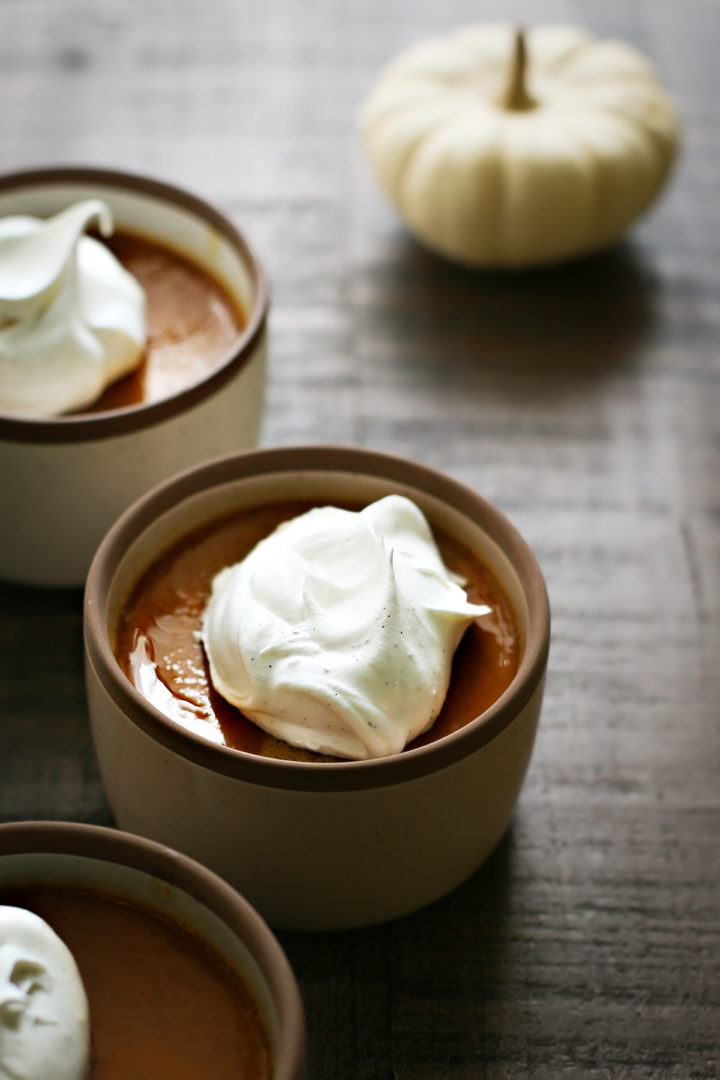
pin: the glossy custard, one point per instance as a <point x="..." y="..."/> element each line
<point x="191" y="320"/>
<point x="163" y="1004"/>
<point x="156" y="637"/>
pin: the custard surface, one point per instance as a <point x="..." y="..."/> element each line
<point x="191" y="323"/>
<point x="163" y="1004"/>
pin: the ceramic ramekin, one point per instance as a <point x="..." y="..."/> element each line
<point x="158" y="879"/>
<point x="65" y="479"/>
<point x="315" y="846"/>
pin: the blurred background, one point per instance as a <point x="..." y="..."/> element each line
<point x="583" y="400"/>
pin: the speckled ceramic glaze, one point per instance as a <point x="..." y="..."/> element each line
<point x="161" y="880"/>
<point x="65" y="479"/>
<point x="315" y="846"/>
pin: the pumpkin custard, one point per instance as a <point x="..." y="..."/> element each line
<point x="162" y="1003"/>
<point x="158" y="636"/>
<point x="92" y="320"/>
<point x="191" y="323"/>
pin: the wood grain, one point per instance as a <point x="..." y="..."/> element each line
<point x="584" y="401"/>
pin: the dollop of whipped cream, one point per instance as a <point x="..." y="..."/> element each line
<point x="72" y="319"/>
<point x="337" y="632"/>
<point x="44" y="1015"/>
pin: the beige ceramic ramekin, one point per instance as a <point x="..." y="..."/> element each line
<point x="315" y="846"/>
<point x="65" y="479"/>
<point x="160" y="880"/>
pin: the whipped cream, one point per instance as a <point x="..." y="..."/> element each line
<point x="44" y="1016"/>
<point x="72" y="319"/>
<point x="337" y="632"/>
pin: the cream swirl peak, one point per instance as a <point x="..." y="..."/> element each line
<point x="337" y="632"/>
<point x="72" y="319"/>
<point x="44" y="1015"/>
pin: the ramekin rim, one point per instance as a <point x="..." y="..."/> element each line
<point x="104" y="844"/>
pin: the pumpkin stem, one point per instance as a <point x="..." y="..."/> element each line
<point x="515" y="96"/>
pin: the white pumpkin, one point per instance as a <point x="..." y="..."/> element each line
<point x="504" y="149"/>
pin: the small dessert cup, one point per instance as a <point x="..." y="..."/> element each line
<point x="66" y="478"/>
<point x="315" y="845"/>
<point x="103" y="861"/>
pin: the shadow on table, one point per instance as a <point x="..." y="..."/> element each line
<point x="583" y="320"/>
<point x="47" y="763"/>
<point x="398" y="998"/>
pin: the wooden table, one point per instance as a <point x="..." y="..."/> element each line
<point x="584" y="401"/>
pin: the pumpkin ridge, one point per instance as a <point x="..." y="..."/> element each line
<point x="422" y="143"/>
<point x="502" y="239"/>
<point x="393" y="182"/>
<point x="608" y="231"/>
<point x="560" y="64"/>
<point x="666" y="151"/>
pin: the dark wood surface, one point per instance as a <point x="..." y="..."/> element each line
<point x="584" y="401"/>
